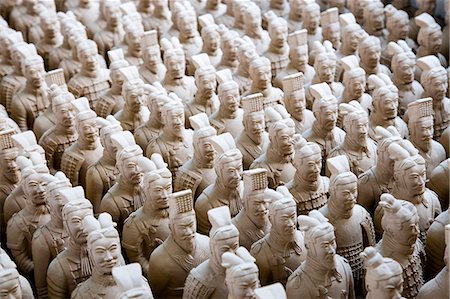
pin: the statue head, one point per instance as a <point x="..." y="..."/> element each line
<point x="331" y="29"/>
<point x="283" y="216"/>
<point x="157" y="183"/>
<point x="133" y="90"/>
<point x="127" y="161"/>
<point x="257" y="197"/>
<point x="397" y="23"/>
<point x="251" y="15"/>
<point x="62" y="107"/>
<point x="8" y="157"/>
<point x="55" y="201"/>
<point x="374" y="16"/>
<point x="354" y="77"/>
<point x="325" y="106"/>
<point x="350" y="32"/>
<point x="8" y="39"/>
<point x="203" y="132"/>
<point x="172" y="115"/>
<point x="384" y="97"/>
<point x="228" y="93"/>
<point x="10" y="283"/>
<point x="246" y="52"/>
<point x="294" y="95"/>
<point x="87" y="55"/>
<point x="73" y="213"/>
<point x="182" y="221"/>
<point x="434" y="77"/>
<point x="129" y="280"/>
<point x="386" y="136"/>
<point x="356" y="123"/>
<point x="155" y="102"/>
<point x="187" y="24"/>
<point x="34" y="71"/>
<point x="174" y="58"/>
<point x="369" y="51"/>
<point x="298" y="49"/>
<point x="109" y="126"/>
<point x="324" y="62"/>
<point x="281" y="135"/>
<point x="254" y="117"/>
<point x="229" y="45"/>
<point x="151" y="52"/>
<point x="308" y="161"/>
<point x="430" y="34"/>
<point x="50" y="24"/>
<point x="260" y="73"/>
<point x="420" y="123"/>
<point x="278" y="31"/>
<point x="210" y="36"/>
<point x="205" y="80"/>
<point x="228" y="165"/>
<point x="311" y="16"/>
<point x="117" y="77"/>
<point x="34" y="185"/>
<point x="112" y="12"/>
<point x="403" y="61"/>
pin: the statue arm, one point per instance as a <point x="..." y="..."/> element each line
<point x="41" y="260"/>
<point x="158" y="275"/>
<point x="94" y="188"/>
<point x="262" y="263"/>
<point x="17" y="243"/>
<point x="56" y="281"/>
<point x="132" y="242"/>
<point x="365" y="194"/>
<point x="49" y="151"/>
<point x="19" y="113"/>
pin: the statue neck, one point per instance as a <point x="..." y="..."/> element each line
<point x="336" y="210"/>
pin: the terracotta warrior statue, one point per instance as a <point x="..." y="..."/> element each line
<point x="48" y="240"/>
<point x="92" y="80"/>
<point x="295" y="21"/>
<point x="254" y="140"/>
<point x="152" y="69"/>
<point x="241" y="275"/>
<point x="435" y="84"/>
<point x="253" y="221"/>
<point x="384" y="277"/>
<point x="282" y="250"/>
<point x="134" y="34"/>
<point x="8" y="37"/>
<point x="311" y="22"/>
<point x="331" y="31"/>
<point x="64" y="132"/>
<point x="397" y="25"/>
<point x="278" y="51"/>
<point x="246" y="52"/>
<point x="354" y="228"/>
<point x="229" y="47"/>
<point x="420" y="124"/>
<point x="439" y="175"/>
<point x="211" y="39"/>
<point x="11" y="284"/>
<point x="369" y="52"/>
<point x="308" y="188"/>
<point x="182" y="251"/>
<point x="324" y="273"/>
<point x="374" y="20"/>
<point x="131" y="283"/>
<point x="228" y="117"/>
<point x="198" y="172"/>
<point x="253" y="26"/>
<point x="350" y="33"/>
<point x="160" y="19"/>
<point x="429" y="38"/>
<point x="73" y="265"/>
<point x="102" y="174"/>
<point x="24" y="223"/>
<point x="384" y="109"/>
<point x="401" y="242"/>
<point x="207" y="280"/>
<point x="52" y="38"/>
<point x="354" y="79"/>
<point x="147" y="227"/>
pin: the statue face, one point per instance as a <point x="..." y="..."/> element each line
<point x="388" y="105"/>
<point x="65" y="115"/>
<point x="159" y="191"/>
<point x="371" y="57"/>
<point x="284" y="222"/>
<point x="278" y="36"/>
<point x="326" y="70"/>
<point x="174" y="120"/>
<point x="75" y="225"/>
<point x="299" y="58"/>
<point x="408" y="232"/>
<point x="117" y="78"/>
<point x="56" y="202"/>
<point x="244" y="287"/>
<point x="10" y="289"/>
<point x="88" y="131"/>
<point x="358" y="131"/>
<point x="246" y="55"/>
<point x="219" y="247"/>
<point x="404" y="70"/>
<point x="229" y="99"/>
<point x="351" y="40"/>
<point x="134" y="40"/>
<point x="113" y="15"/>
<point x="327" y="117"/>
<point x="357" y="86"/>
<point x="434" y="42"/>
<point x="402" y="28"/>
<point x="437" y="87"/>
<point x="254" y="127"/>
<point x="176" y="66"/>
<point x="152" y="56"/>
<point x="261" y="77"/>
<point x="423" y="133"/>
<point x="296" y="104"/>
<point x="88" y="59"/>
<point x="212" y="42"/>
<point x="414" y="179"/>
<point x="9" y="166"/>
<point x="346" y="192"/>
<point x="229" y="49"/>
<point x="309" y="168"/>
<point x="253" y="20"/>
<point x="389" y="288"/>
<point x="206" y="83"/>
<point x="257" y="208"/>
<point x="296" y="8"/>
<point x="105" y="253"/>
<point x="135" y="99"/>
<point x="323" y="250"/>
<point x="188" y="26"/>
<point x="35" y="188"/>
<point x="231" y="173"/>
<point x="284" y="141"/>
<point x="376" y="19"/>
<point x="183" y="229"/>
<point x="206" y="149"/>
<point x="51" y="27"/>
<point x="131" y="171"/>
<point x="36" y="75"/>
<point x="333" y="34"/>
<point x="311" y="20"/>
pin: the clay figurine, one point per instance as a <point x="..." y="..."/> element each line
<point x="207" y="280"/>
<point x="211" y="39"/>
<point x="253" y="221"/>
<point x="24" y="17"/>
<point x="189" y="36"/>
<point x="183" y="250"/>
<point x="295" y="21"/>
<point x="52" y="37"/>
<point x="63" y="51"/>
<point x="374" y="20"/>
<point x="324" y="273"/>
<point x="198" y="173"/>
<point x="420" y="124"/>
<point x="350" y="31"/>
<point x="228" y="117"/>
<point x="354" y="228"/>
<point x="311" y="22"/>
<point x="48" y="240"/>
<point x="134" y="33"/>
<point x="228" y="45"/>
<point x="282" y="250"/>
<point x="397" y="24"/>
<point x="7" y="263"/>
<point x="112" y="34"/>
<point x="7" y="65"/>
<point x="435" y="84"/>
<point x="357" y="8"/>
<point x="130" y="282"/>
<point x="134" y="112"/>
<point x="160" y="19"/>
<point x="435" y="182"/>
<point x="308" y="188"/>
<point x="369" y="52"/>
<point x="10" y="284"/>
<point x="152" y="69"/>
<point x="354" y="80"/>
<point x="429" y="38"/>
<point x="331" y="31"/>
<point x="241" y="275"/>
<point x="102" y="174"/>
<point x="383" y="277"/>
<point x="147" y="227"/>
<point x="278" y="51"/>
<point x="253" y="26"/>
<point x="295" y="102"/>
<point x="401" y="241"/>
<point x="73" y="265"/>
<point x="246" y="52"/>
<point x="254" y="140"/>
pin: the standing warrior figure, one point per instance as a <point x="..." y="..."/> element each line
<point x="331" y="31"/>
<point x="152" y="69"/>
<point x="369" y="53"/>
<point x="183" y="250"/>
<point x="52" y="39"/>
<point x="354" y="79"/>
<point x="253" y="26"/>
<point x="134" y="34"/>
<point x="211" y="39"/>
<point x="229" y="46"/>
<point x="429" y="38"/>
<point x="311" y="22"/>
<point x="246" y="52"/>
<point x="278" y="51"/>
<point x="374" y="21"/>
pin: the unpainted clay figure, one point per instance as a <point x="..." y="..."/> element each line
<point x="92" y="80"/>
<point x="10" y="284"/>
<point x="278" y="157"/>
<point x="354" y="228"/>
<point x="295" y="21"/>
<point x="75" y="33"/>
<point x="254" y="140"/>
<point x="63" y="133"/>
<point x="401" y="241"/>
<point x="147" y="227"/>
<point x="435" y="84"/>
<point x="215" y="8"/>
<point x="429" y="38"/>
<point x="420" y="126"/>
<point x="102" y="174"/>
<point x="311" y="22"/>
<point x="126" y="195"/>
<point x="73" y="265"/>
<point x="246" y="52"/>
<point x="374" y="21"/>
<point x="282" y="250"/>
<point x="7" y="65"/>
<point x="253" y="221"/>
<point x="211" y="39"/>
<point x="52" y="38"/>
<point x="205" y="99"/>
<point x="308" y="188"/>
<point x="228" y="117"/>
<point x="25" y="16"/>
<point x="384" y="109"/>
<point x="152" y="69"/>
<point x="357" y="8"/>
<point x="435" y="244"/>
<point x="134" y="33"/>
<point x="112" y="34"/>
<point x="241" y="275"/>
<point x="87" y="12"/>
<point x="295" y="102"/>
<point x="446" y="32"/>
<point x="278" y="51"/>
<point x="134" y="112"/>
<point x="227" y="188"/>
<point x="198" y="172"/>
<point x="111" y="100"/>
<point x="379" y="178"/>
<point x="384" y="277"/>
<point x="23" y="284"/>
<point x="175" y="79"/>
<point x="23" y="224"/>
<point x="49" y="240"/>
<point x="354" y="80"/>
<point x="253" y="26"/>
<point x="350" y="33"/>
<point x="189" y="36"/>
<point x="183" y="250"/>
<point x="403" y="65"/>
<point x="331" y="29"/>
<point x="299" y="57"/>
<point x="130" y="282"/>
<point x="174" y="143"/>
<point x="160" y="19"/>
<point x="207" y="280"/>
<point x="369" y="53"/>
<point x="32" y="100"/>
<point x="444" y="140"/>
<point x="229" y="47"/>
<point x="357" y="146"/>
<point x="324" y="273"/>
<point x="56" y="55"/>
<point x="439" y="175"/>
<point x="397" y="24"/>
<point x="10" y="176"/>
<point x="87" y="150"/>
<point x="324" y="131"/>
